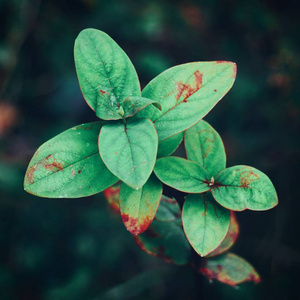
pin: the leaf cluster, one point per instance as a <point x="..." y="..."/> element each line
<point x="132" y="143"/>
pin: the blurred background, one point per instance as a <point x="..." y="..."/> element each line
<point x="78" y="249"/>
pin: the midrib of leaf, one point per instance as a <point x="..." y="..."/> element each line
<point x="104" y="68"/>
<point x="65" y="167"/>
<point x="178" y="103"/>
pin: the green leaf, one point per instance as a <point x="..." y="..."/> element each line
<point x="138" y="207"/>
<point x="204" y="146"/>
<point x="105" y="73"/>
<point x="129" y="150"/>
<point x="182" y="174"/>
<point x="169" y="145"/>
<point x="112" y="195"/>
<point x="242" y="187"/>
<point x="165" y="237"/>
<point x="132" y="105"/>
<point x="230" y="269"/>
<point x="187" y="93"/>
<point x="230" y="237"/>
<point x="205" y="222"/>
<point x="168" y="210"/>
<point x="69" y="165"/>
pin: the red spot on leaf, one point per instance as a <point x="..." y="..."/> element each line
<point x="134" y="225"/>
<point x="102" y="92"/>
<point x="79" y="171"/>
<point x="185" y="90"/>
<point x="112" y="196"/>
<point x="215" y="90"/>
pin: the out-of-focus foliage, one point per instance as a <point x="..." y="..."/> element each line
<point x="77" y="249"/>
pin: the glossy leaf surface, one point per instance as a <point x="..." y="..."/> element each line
<point x="230" y="237"/>
<point x="169" y="145"/>
<point x="69" y="165"/>
<point x="187" y="93"/>
<point x="204" y="146"/>
<point x="242" y="187"/>
<point x="182" y="174"/>
<point x="165" y="237"/>
<point x="205" y="222"/>
<point x="105" y="73"/>
<point x="138" y="207"/>
<point x="230" y="269"/>
<point x="129" y="150"/>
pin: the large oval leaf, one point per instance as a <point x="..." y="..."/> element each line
<point x="165" y="237"/>
<point x="69" y="165"/>
<point x="230" y="269"/>
<point x="105" y="73"/>
<point x="169" y="145"/>
<point x="129" y="150"/>
<point x="204" y="145"/>
<point x="205" y="222"/>
<point x="230" y="237"/>
<point x="182" y="174"/>
<point x="242" y="187"/>
<point x="187" y="93"/>
<point x="138" y="207"/>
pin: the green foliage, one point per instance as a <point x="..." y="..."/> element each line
<point x="187" y="93"/>
<point x="138" y="207"/>
<point x="129" y="150"/>
<point x="69" y="165"/>
<point x="137" y="134"/>
<point x="241" y="187"/>
<point x="230" y="269"/>
<point x="205" y="222"/>
<point x="182" y="174"/>
<point x="204" y="146"/>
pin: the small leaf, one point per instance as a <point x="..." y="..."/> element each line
<point x="168" y="210"/>
<point x="129" y="150"/>
<point x="132" y="105"/>
<point x="166" y="239"/>
<point x="112" y="195"/>
<point x="169" y="145"/>
<point x="187" y="93"/>
<point x="69" y="165"/>
<point x="182" y="174"/>
<point x="105" y="73"/>
<point x="230" y="269"/>
<point x="242" y="187"/>
<point x="204" y="146"/>
<point x="138" y="207"/>
<point x="230" y="237"/>
<point x="205" y="222"/>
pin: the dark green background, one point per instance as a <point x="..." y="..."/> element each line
<point x="77" y="249"/>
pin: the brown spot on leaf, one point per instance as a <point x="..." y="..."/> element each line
<point x="30" y="174"/>
<point x="79" y="171"/>
<point x="185" y="90"/>
<point x="247" y="176"/>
